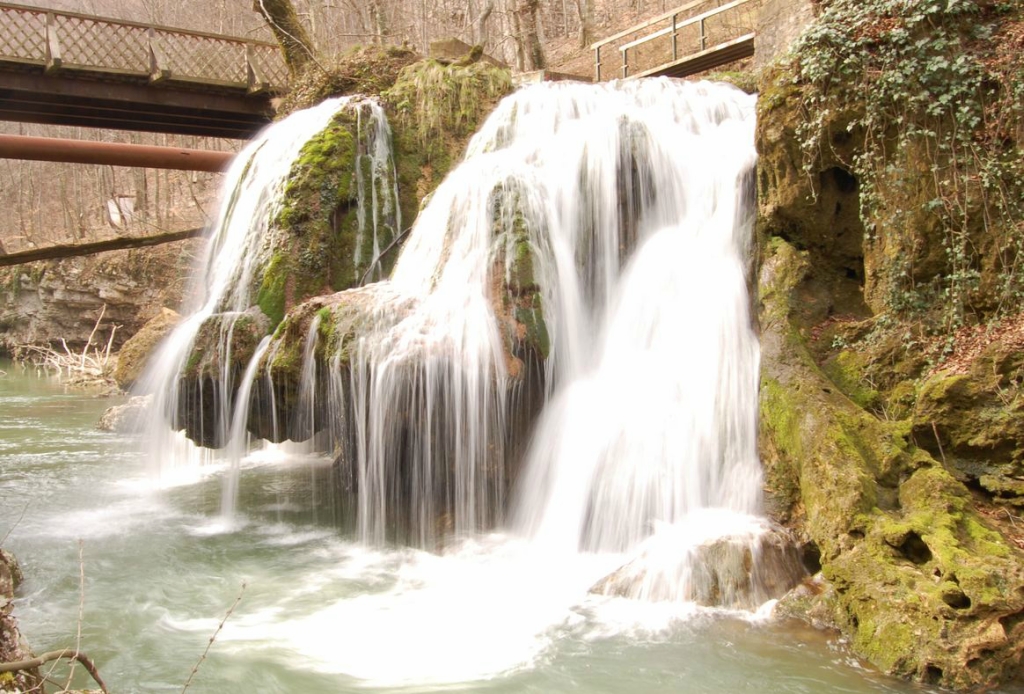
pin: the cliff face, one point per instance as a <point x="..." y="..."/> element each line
<point x="41" y="303"/>
<point x="891" y="219"/>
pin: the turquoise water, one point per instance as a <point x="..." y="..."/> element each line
<point x="319" y="612"/>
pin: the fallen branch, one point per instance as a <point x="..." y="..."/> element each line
<point x="68" y="653"/>
<point x="80" y="249"/>
<point x="195" y="668"/>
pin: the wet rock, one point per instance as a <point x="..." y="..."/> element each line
<point x="740" y="571"/>
<point x="125" y="418"/>
<point x="12" y="647"/>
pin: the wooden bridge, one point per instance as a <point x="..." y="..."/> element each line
<point x="66" y="68"/>
<point x="695" y="37"/>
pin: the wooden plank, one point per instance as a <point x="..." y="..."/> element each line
<point x="158" y="69"/>
<point x="650" y="22"/>
<point x="723" y="53"/>
<point x="687" y="22"/>
<point x="80" y="249"/>
<point x="53" y="52"/>
<point x="138" y="25"/>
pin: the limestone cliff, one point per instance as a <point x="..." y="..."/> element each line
<point x="891" y="207"/>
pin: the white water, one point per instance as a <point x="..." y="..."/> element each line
<point x="323" y="614"/>
<point x="240" y="245"/>
<point x="634" y="199"/>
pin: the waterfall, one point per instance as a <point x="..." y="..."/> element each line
<point x="582" y="274"/>
<point x="222" y="295"/>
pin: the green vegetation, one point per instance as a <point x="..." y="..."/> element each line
<point x="434" y="109"/>
<point x="923" y="103"/>
<point x="917" y="578"/>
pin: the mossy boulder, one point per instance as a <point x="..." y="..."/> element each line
<point x="434" y="110"/>
<point x="318" y="334"/>
<point x="337" y="211"/>
<point x="922" y="586"/>
<point x="972" y="417"/>
<point x="362" y="70"/>
<point x="224" y="345"/>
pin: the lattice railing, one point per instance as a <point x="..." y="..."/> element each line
<point x="71" y="41"/>
<point x="698" y="27"/>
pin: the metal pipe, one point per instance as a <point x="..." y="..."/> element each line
<point x="113" y="153"/>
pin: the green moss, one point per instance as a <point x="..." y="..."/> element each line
<point x="271" y="297"/>
<point x="536" y="330"/>
<point x="918" y="576"/>
<point x="847" y="370"/>
<point x="363" y="70"/>
<point x="746" y="80"/>
<point x="434" y="109"/>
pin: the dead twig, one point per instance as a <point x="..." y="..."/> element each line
<point x="21" y="517"/>
<point x="935" y="430"/>
<point x="195" y="668"/>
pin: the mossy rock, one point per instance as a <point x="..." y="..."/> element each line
<point x="434" y="110"/>
<point x="337" y="211"/>
<point x="846" y="370"/>
<point x="974" y="420"/>
<point x="363" y="70"/>
<point x="922" y="586"/>
<point x="341" y="319"/>
<point x="224" y="345"/>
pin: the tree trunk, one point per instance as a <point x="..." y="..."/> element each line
<point x="480" y="25"/>
<point x="585" y="10"/>
<point x="288" y="30"/>
<point x="79" y="249"/>
<point x="379" y="21"/>
<point x="529" y="35"/>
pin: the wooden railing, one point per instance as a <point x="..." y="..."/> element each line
<point x="688" y="31"/>
<point x="69" y="41"/>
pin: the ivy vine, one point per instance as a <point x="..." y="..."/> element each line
<point x="934" y="89"/>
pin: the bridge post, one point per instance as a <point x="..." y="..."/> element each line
<point x="597" y="62"/>
<point x="258" y="84"/>
<point x="625" y="62"/>
<point x="53" y="56"/>
<point x="703" y="36"/>
<point x="158" y="68"/>
<point x="675" y="39"/>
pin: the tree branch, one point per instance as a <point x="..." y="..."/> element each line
<point x="79" y="249"/>
<point x="69" y="653"/>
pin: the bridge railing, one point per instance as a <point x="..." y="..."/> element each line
<point x="693" y="29"/>
<point x="56" y="41"/>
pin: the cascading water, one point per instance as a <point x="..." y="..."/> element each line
<point x="240" y="247"/>
<point x="592" y="247"/>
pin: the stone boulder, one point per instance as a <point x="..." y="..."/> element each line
<point x="125" y="418"/>
<point x="132" y="359"/>
<point x="738" y="571"/>
<point x="971" y="416"/>
<point x="12" y="647"/>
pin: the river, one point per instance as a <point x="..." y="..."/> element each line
<point x="319" y="612"/>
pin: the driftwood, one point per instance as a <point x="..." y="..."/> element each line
<point x="69" y="653"/>
<point x="79" y="249"/>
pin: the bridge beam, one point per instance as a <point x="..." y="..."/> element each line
<point x="113" y="153"/>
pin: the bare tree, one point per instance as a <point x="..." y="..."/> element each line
<point x="585" y="10"/>
<point x="289" y="31"/>
<point x="480" y="25"/>
<point x="530" y="51"/>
